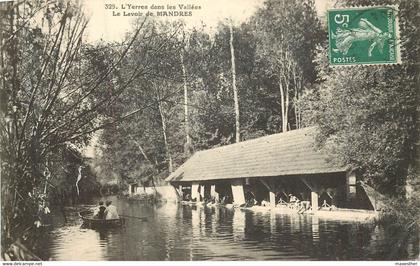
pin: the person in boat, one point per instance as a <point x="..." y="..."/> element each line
<point x="99" y="212"/>
<point x="111" y="211"/>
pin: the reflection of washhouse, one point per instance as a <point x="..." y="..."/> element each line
<point x="198" y="225"/>
<point x="307" y="225"/>
<point x="273" y="223"/>
<point x="169" y="212"/>
<point x="208" y="221"/>
<point x="295" y="224"/>
<point x="215" y="220"/>
<point x="315" y="229"/>
<point x="187" y="215"/>
<point x="238" y="225"/>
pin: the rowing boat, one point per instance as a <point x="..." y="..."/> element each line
<point x="89" y="221"/>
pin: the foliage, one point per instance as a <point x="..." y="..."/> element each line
<point x="148" y="143"/>
<point x="367" y="116"/>
<point x="48" y="108"/>
<point x="287" y="34"/>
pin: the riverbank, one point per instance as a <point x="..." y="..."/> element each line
<point x="158" y="193"/>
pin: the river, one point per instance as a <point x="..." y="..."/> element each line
<point x="175" y="232"/>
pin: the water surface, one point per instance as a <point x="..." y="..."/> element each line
<point x="175" y="232"/>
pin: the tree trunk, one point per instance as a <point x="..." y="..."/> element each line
<point x="295" y="99"/>
<point x="141" y="150"/>
<point x="283" y="107"/>
<point x="296" y="112"/>
<point x="286" y="108"/>
<point x="168" y="153"/>
<point x="235" y="90"/>
<point x="187" y="126"/>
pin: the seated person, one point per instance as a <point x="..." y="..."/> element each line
<point x="304" y="206"/>
<point x="187" y="197"/>
<point x="99" y="212"/>
<point x="250" y="199"/>
<point x="250" y="202"/>
<point x="207" y="200"/>
<point x="294" y="201"/>
<point x="111" y="211"/>
<point x="265" y="203"/>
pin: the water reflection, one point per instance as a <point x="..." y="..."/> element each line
<point x="238" y="224"/>
<point x="315" y="229"/>
<point x="175" y="232"/>
<point x="70" y="241"/>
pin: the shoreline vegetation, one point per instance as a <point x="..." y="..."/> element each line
<point x="167" y="91"/>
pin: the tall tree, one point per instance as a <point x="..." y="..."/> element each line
<point x="186" y="114"/>
<point x="235" y="89"/>
<point x="52" y="102"/>
<point x="287" y="33"/>
<point x="367" y="117"/>
<point x="156" y="130"/>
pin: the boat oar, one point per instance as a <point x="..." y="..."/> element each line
<point x="135" y="217"/>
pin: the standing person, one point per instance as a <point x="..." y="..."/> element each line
<point x="111" y="211"/>
<point x="99" y="212"/>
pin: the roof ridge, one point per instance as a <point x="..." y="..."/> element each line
<point x="257" y="139"/>
<point x="280" y="154"/>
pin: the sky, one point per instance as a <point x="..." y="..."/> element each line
<point x="103" y="25"/>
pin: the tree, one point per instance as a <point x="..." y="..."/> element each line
<point x="48" y="84"/>
<point x="287" y="33"/>
<point x="156" y="129"/>
<point x="367" y="117"/>
<point x="235" y="89"/>
<point x="186" y="114"/>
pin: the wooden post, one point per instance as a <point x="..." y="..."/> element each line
<point x="200" y="192"/>
<point x="314" y="200"/>
<point x="181" y="195"/>
<point x="314" y="192"/>
<point x="272" y="194"/>
<point x="238" y="192"/>
<point x="350" y="185"/>
<point x="271" y="190"/>
<point x="194" y="191"/>
<point x="272" y="199"/>
<point x="213" y="193"/>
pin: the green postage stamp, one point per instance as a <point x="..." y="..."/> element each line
<point x="363" y="35"/>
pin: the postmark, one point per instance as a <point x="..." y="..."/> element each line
<point x="363" y="35"/>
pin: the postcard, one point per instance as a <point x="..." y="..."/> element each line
<point x="224" y="130"/>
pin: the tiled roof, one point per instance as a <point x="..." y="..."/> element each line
<point x="290" y="153"/>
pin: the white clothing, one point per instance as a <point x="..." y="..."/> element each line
<point x="111" y="212"/>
